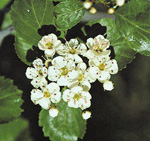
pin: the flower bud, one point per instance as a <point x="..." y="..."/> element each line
<point x="86" y="115"/>
<point x="108" y="85"/>
<point x="120" y="2"/>
<point x="53" y="112"/>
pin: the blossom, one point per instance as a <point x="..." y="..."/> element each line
<point x="37" y="74"/>
<point x="51" y="93"/>
<point x="108" y="85"/>
<point x="60" y="71"/>
<point x="72" y="50"/>
<point x="53" y="112"/>
<point x="77" y="97"/>
<point x="86" y="115"/>
<point x="102" y="67"/>
<point x="49" y="44"/>
<point x="82" y="77"/>
<point x="97" y="47"/>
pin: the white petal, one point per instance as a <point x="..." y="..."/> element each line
<point x="36" y="94"/>
<point x="53" y="112"/>
<point x="90" y="42"/>
<point x="43" y="83"/>
<point x="62" y="81"/>
<point x="62" y="49"/>
<point x="93" y="72"/>
<point x="70" y="65"/>
<point x="81" y="48"/>
<point x="86" y="85"/>
<point x="89" y="54"/>
<point x="77" y="58"/>
<point x="86" y="95"/>
<point x="50" y="52"/>
<point x="56" y="97"/>
<point x="76" y="89"/>
<point x="53" y="37"/>
<point x="73" y="103"/>
<point x="53" y="87"/>
<point x="103" y="75"/>
<point x="57" y="44"/>
<point x="31" y="73"/>
<point x="38" y="64"/>
<point x="44" y="103"/>
<point x="81" y="67"/>
<point x="53" y="74"/>
<point x="114" y="67"/>
<point x="72" y="76"/>
<point x="108" y="85"/>
<point x="36" y="82"/>
<point x="73" y="43"/>
<point x="44" y="71"/>
<point x="59" y="62"/>
<point x="67" y="95"/>
<point x="42" y="43"/>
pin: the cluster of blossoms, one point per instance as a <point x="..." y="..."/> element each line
<point x="69" y="70"/>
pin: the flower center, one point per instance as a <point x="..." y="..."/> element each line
<point x="77" y="96"/>
<point x="80" y="78"/>
<point x="47" y="94"/>
<point x="40" y="73"/>
<point x="64" y="71"/>
<point x="97" y="48"/>
<point x="49" y="45"/>
<point x="101" y="66"/>
<point x="72" y="51"/>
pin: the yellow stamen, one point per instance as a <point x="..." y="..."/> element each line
<point x="64" y="71"/>
<point x="101" y="66"/>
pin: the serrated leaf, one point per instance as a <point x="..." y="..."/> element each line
<point x="132" y="21"/>
<point x="10" y="131"/>
<point x="10" y="100"/>
<point x="27" y="17"/>
<point x="68" y="14"/>
<point x="3" y="3"/>
<point x="123" y="53"/>
<point x="67" y="126"/>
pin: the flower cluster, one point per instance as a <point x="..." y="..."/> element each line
<point x="64" y="66"/>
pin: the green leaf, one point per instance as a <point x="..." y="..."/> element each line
<point x="11" y="131"/>
<point x="67" y="126"/>
<point x="27" y="17"/>
<point x="68" y="14"/>
<point x="132" y="21"/>
<point x="123" y="53"/>
<point x="7" y="21"/>
<point x="10" y="100"/>
<point x="3" y="3"/>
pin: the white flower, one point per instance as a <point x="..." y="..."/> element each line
<point x="102" y="67"/>
<point x="82" y="77"/>
<point x="49" y="44"/>
<point x="97" y="47"/>
<point x="72" y="50"/>
<point x="61" y="70"/>
<point x="37" y="74"/>
<point x="44" y="97"/>
<point x="53" y="112"/>
<point x="77" y="98"/>
<point x="108" y="85"/>
<point x="86" y="115"/>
